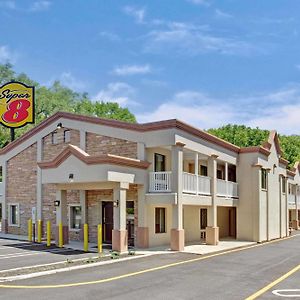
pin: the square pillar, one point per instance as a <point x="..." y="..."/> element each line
<point x="119" y="233"/>
<point x="196" y="158"/>
<point x="82" y="197"/>
<point x="177" y="231"/>
<point x="4" y="223"/>
<point x="142" y="230"/>
<point x="212" y="230"/>
<point x="61" y="216"/>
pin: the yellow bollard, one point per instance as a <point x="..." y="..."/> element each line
<point x="86" y="237"/>
<point x="48" y="233"/>
<point x="99" y="238"/>
<point x="30" y="230"/>
<point x="60" y="235"/>
<point x="39" y="231"/>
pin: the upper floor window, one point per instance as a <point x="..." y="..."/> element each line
<point x="264" y="179"/>
<point x="67" y="136"/>
<point x="203" y="170"/>
<point x="1" y="173"/>
<point x="283" y="185"/>
<point x="54" y="139"/>
<point x="159" y="162"/>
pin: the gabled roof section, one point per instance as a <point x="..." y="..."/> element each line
<point x="146" y="127"/>
<point x="92" y="160"/>
<point x="273" y="138"/>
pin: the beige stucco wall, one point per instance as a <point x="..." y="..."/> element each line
<point x="223" y="221"/>
<point x="191" y="223"/>
<point x="150" y="157"/>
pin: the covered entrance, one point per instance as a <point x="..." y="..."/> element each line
<point x="227" y="222"/>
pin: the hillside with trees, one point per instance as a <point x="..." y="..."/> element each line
<point x="57" y="97"/>
<point x="244" y="136"/>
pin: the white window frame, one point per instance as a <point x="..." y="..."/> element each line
<point x="67" y="136"/>
<point x="70" y="206"/>
<point x="54" y="138"/>
<point x="10" y="215"/>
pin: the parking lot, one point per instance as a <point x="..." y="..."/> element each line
<point x="17" y="254"/>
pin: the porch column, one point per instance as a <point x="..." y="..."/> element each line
<point x="143" y="229"/>
<point x="4" y="225"/>
<point x="119" y="233"/>
<point x="296" y="225"/>
<point x="82" y="197"/>
<point x="39" y="186"/>
<point x="226" y="177"/>
<point x="197" y="170"/>
<point x="212" y="230"/>
<point x="177" y="232"/>
<point x="61" y="216"/>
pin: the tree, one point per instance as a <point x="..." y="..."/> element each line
<point x="243" y="136"/>
<point x="57" y="97"/>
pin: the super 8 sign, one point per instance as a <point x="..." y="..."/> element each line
<point x="16" y="104"/>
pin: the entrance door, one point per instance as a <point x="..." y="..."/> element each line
<point x="107" y="221"/>
<point x="232" y="222"/>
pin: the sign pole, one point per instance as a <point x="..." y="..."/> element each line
<point x="12" y="134"/>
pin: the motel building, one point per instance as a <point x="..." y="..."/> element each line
<point x="154" y="184"/>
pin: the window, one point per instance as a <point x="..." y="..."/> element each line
<point x="203" y="218"/>
<point x="75" y="217"/>
<point x="14" y="214"/>
<point x="159" y="162"/>
<point x="54" y="139"/>
<point x="67" y="136"/>
<point x="160" y="220"/>
<point x="203" y="170"/>
<point x="219" y="174"/>
<point x="283" y="185"/>
<point x="1" y="176"/>
<point x="264" y="178"/>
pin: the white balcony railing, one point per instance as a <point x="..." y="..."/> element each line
<point x="195" y="184"/>
<point x="227" y="188"/>
<point x="291" y="199"/>
<point x="159" y="182"/>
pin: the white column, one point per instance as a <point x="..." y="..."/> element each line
<point x="142" y="207"/>
<point x="141" y="153"/>
<point x="82" y="196"/>
<point x="62" y="209"/>
<point x="297" y="205"/>
<point x="120" y="207"/>
<point x="196" y="158"/>
<point x="4" y="207"/>
<point x="83" y="140"/>
<point x="212" y="172"/>
<point x="226" y="177"/>
<point x="39" y="186"/>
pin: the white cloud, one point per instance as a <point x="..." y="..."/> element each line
<point x="6" y="55"/>
<point x="137" y="13"/>
<point x="199" y="2"/>
<point x="132" y="70"/>
<point x="119" y="92"/>
<point x="278" y="110"/>
<point x="40" y="6"/>
<point x="68" y="80"/>
<point x="110" y="36"/>
<point x="222" y="15"/>
<point x="9" y="4"/>
<point x="189" y="39"/>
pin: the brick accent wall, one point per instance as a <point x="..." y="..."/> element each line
<point x="94" y="208"/>
<point x="99" y="145"/>
<point x="50" y="151"/>
<point x="21" y="186"/>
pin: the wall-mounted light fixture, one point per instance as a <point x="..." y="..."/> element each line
<point x="71" y="177"/>
<point x="116" y="203"/>
<point x="56" y="203"/>
<point x="59" y="126"/>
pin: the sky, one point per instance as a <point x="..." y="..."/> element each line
<point x="205" y="62"/>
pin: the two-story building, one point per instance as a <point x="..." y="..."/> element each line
<point x="147" y="184"/>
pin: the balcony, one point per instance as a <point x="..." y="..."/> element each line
<point x="227" y="188"/>
<point x="195" y="184"/>
<point x="160" y="182"/>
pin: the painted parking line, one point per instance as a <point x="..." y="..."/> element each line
<point x="287" y="293"/>
<point x="141" y="272"/>
<point x="274" y="283"/>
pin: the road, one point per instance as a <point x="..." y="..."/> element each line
<point x="235" y="274"/>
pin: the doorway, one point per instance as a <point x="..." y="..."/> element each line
<point x="232" y="222"/>
<point x="107" y="221"/>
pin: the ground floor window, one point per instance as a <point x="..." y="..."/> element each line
<point x="264" y="178"/>
<point x="75" y="217"/>
<point x="13" y="214"/>
<point x="203" y="218"/>
<point x="160" y="220"/>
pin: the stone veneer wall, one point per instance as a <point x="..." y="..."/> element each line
<point x="50" y="151"/>
<point x="21" y="186"/>
<point x="100" y="145"/>
<point x="94" y="208"/>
